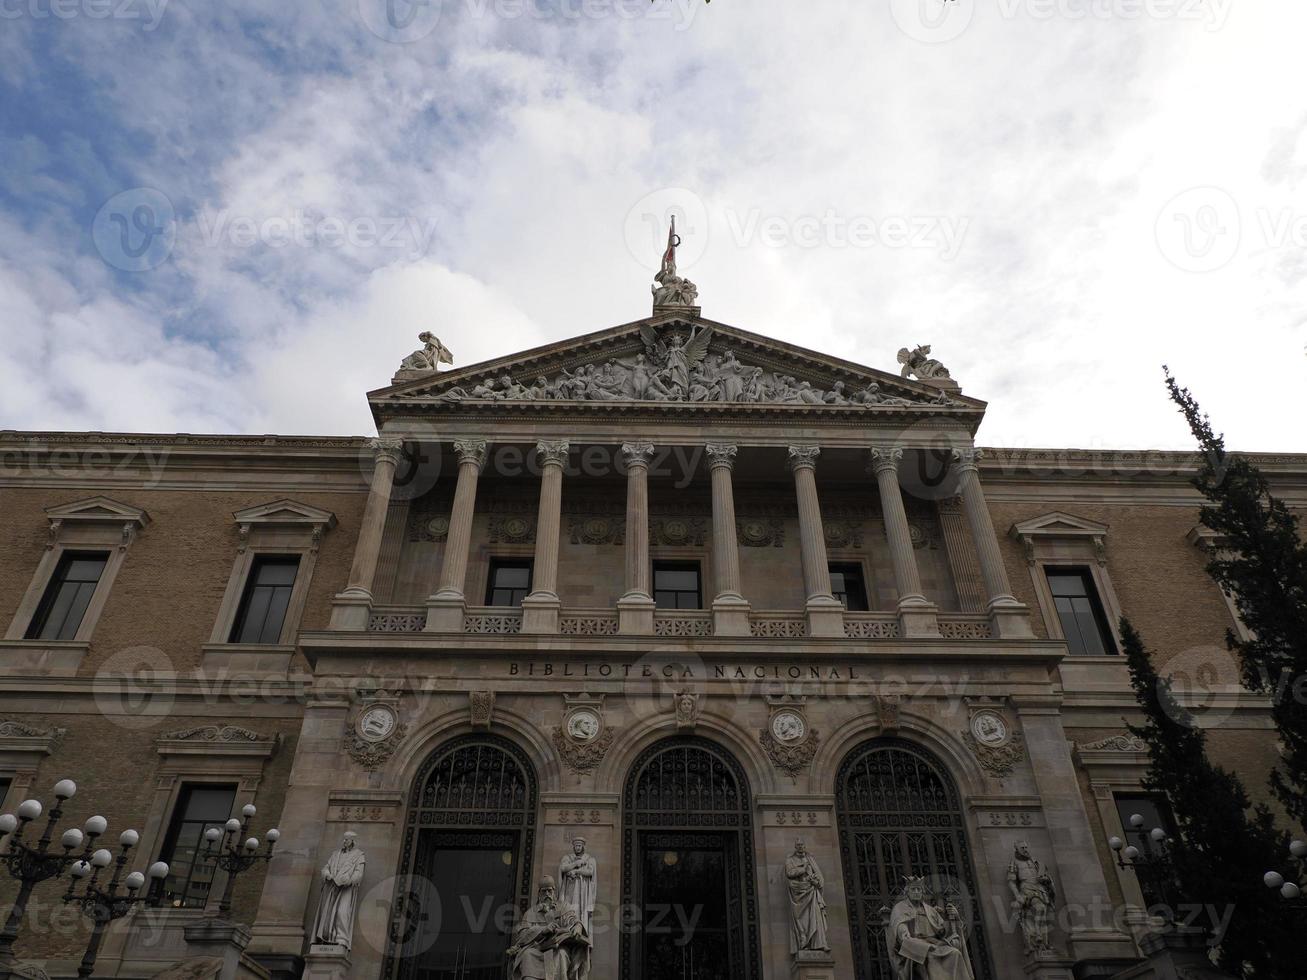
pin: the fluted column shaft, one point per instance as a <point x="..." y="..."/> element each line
<point x="636" y="457"/>
<point x="725" y="544"/>
<point x="992" y="570"/>
<point x="812" y="537"/>
<point x="544" y="576"/>
<point x="907" y="577"/>
<point x="453" y="572"/>
<point x="368" y="546"/>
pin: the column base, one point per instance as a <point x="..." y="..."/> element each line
<point x="1010" y="619"/>
<point x="326" y="961"/>
<point x="540" y="612"/>
<point x="445" y="612"/>
<point x="825" y="615"/>
<point x="635" y="614"/>
<point x="730" y="615"/>
<point x="351" y="609"/>
<point x="918" y="616"/>
<point x="813" y="964"/>
<point x="1049" y="965"/>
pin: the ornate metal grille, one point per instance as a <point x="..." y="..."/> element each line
<point x="899" y="815"/>
<point x="471" y="783"/>
<point x="690" y="784"/>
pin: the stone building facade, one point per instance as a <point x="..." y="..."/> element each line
<point x="674" y="589"/>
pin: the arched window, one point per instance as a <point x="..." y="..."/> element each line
<point x="469" y="832"/>
<point x="687" y="865"/>
<point x="899" y="815"/>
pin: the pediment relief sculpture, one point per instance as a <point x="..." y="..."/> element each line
<point x="688" y="364"/>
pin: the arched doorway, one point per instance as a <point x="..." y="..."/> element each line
<point x="899" y="815"/>
<point x="687" y="865"/>
<point x="467" y="851"/>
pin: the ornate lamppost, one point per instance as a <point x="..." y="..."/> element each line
<point x="234" y="856"/>
<point x="102" y="905"/>
<point x="1291" y="891"/>
<point x="31" y="864"/>
<point x="1152" y="864"/>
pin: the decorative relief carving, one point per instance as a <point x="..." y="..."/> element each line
<point x="871" y="629"/>
<point x="796" y="818"/>
<point x="217" y="733"/>
<point x="760" y="532"/>
<point x="428" y="527"/>
<point x="583" y="757"/>
<point x="481" y="705"/>
<point x="677" y="531"/>
<point x="597" y="530"/>
<point x="842" y="534"/>
<point x="888" y="707"/>
<point x="376" y="730"/>
<point x="997" y="760"/>
<point x="580" y="815"/>
<point x="493" y="623"/>
<point x="687" y="709"/>
<point x="783" y="627"/>
<point x="583" y="739"/>
<point x="1115" y="743"/>
<point x="518" y="529"/>
<point x="800" y="457"/>
<point x="18" y="729"/>
<point x="789" y="741"/>
<point x="597" y="625"/>
<point x="682" y="626"/>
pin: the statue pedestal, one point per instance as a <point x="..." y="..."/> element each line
<point x="813" y="964"/>
<point x="326" y="961"/>
<point x="635" y="614"/>
<point x="1049" y="965"/>
<point x="943" y="384"/>
<point x="445" y="613"/>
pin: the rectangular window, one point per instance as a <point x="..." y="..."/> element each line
<point x="199" y="807"/>
<point x="848" y="586"/>
<point x="1083" y="621"/>
<point x="676" y="585"/>
<point x="509" y="582"/>
<point x="67" y="596"/>
<point x="1156" y="812"/>
<point x="262" y="611"/>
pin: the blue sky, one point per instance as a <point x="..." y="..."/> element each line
<point x="237" y="217"/>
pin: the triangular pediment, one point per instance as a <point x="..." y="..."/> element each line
<point x="286" y="512"/>
<point x="671" y="361"/>
<point x="98" y="509"/>
<point x="1058" y="524"/>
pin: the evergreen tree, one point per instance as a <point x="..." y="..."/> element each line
<point x="1262" y="563"/>
<point x="1222" y="849"/>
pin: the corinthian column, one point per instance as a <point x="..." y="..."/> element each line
<point x="825" y="613"/>
<point x="445" y="608"/>
<point x="1009" y="617"/>
<point x="917" y="615"/>
<point x="540" y="608"/>
<point x="350" y="609"/>
<point x="635" y="608"/>
<point x="730" y="608"/>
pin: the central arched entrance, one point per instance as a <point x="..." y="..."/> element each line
<point x="687" y="865"/>
<point x="899" y="815"/>
<point x="467" y="850"/>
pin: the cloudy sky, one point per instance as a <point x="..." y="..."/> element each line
<point x="236" y="217"/>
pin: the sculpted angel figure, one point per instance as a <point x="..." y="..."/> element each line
<point x="676" y="357"/>
<point x="430" y="357"/>
<point x="919" y="363"/>
<point x="925" y="942"/>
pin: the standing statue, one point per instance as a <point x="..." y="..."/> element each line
<point x="673" y="290"/>
<point x="807" y="906"/>
<point x="919" y="363"/>
<point x="577" y="874"/>
<point x="925" y="942"/>
<point x="550" y="943"/>
<point x="1033" y="895"/>
<point x="334" y="924"/>
<point x="430" y="357"/>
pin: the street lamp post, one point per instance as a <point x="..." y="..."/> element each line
<point x="1291" y="891"/>
<point x="102" y="905"/>
<point x="31" y="864"/>
<point x="233" y="855"/>
<point x="1152" y="863"/>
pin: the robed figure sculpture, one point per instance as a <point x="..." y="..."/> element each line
<point x="576" y="882"/>
<point x="807" y="906"/>
<point x="924" y="942"/>
<point x="334" y="924"/>
<point x="550" y="943"/>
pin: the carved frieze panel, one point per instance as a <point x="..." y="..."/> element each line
<point x="842" y="533"/>
<point x="788" y="739"/>
<point x="583" y="739"/>
<point x="515" y="529"/>
<point x="481" y="705"/>
<point x="760" y="532"/>
<point x="376" y="730"/>
<point x="603" y="529"/>
<point x="678" y="531"/>
<point x="990" y="736"/>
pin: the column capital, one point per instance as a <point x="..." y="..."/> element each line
<point x="803" y="457"/>
<point x="637" y="453"/>
<point x="882" y="458"/>
<point x="386" y="448"/>
<point x="967" y="457"/>
<point x="554" y="453"/>
<point x="721" y="454"/>
<point x="471" y="451"/>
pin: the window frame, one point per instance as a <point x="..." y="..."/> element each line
<point x="861" y="567"/>
<point x="261" y="560"/>
<point x="1105" y="633"/>
<point x="496" y="562"/>
<point x="54" y="588"/>
<point x="685" y="564"/>
<point x="167" y="839"/>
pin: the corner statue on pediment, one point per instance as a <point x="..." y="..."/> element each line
<point x="919" y="364"/>
<point x="429" y="357"/>
<point x="673" y="290"/>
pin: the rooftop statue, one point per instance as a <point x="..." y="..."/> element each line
<point x="917" y="363"/>
<point x="431" y="355"/>
<point x="673" y="290"/>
